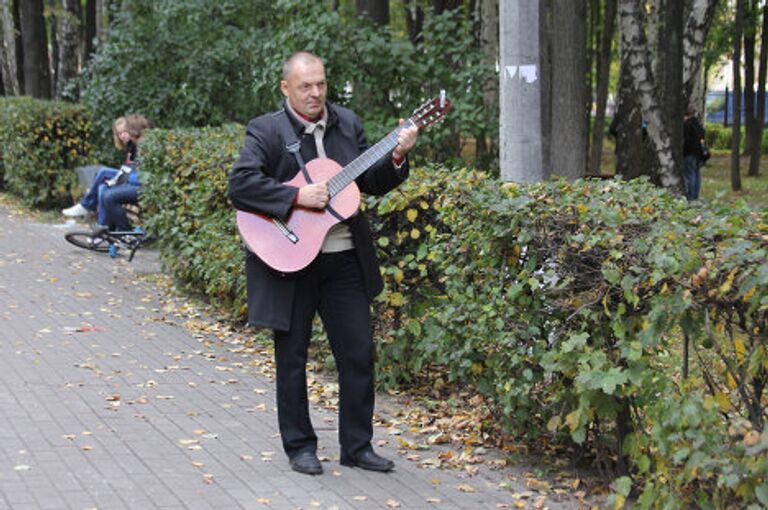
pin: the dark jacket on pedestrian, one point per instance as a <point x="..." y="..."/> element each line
<point x="693" y="133"/>
<point x="255" y="186"/>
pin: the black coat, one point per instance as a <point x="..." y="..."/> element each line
<point x="255" y="185"/>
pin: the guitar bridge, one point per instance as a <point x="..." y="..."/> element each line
<point x="287" y="232"/>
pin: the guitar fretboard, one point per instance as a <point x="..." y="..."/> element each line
<point x="365" y="160"/>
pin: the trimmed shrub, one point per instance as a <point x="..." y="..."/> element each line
<point x="41" y="143"/>
<point x="606" y="315"/>
<point x="184" y="200"/>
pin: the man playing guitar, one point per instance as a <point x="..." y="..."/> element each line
<point x="342" y="279"/>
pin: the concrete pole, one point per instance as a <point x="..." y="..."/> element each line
<point x="520" y="92"/>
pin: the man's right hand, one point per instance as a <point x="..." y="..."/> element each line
<point x="313" y="196"/>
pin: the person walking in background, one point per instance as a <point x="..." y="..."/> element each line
<point x="339" y="283"/>
<point x="693" y="154"/>
<point x="122" y="183"/>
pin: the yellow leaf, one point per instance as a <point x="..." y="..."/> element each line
<point x="396" y="299"/>
<point x="554" y="423"/>
<point x="412" y="214"/>
<point x="399" y="276"/>
<point x="740" y="349"/>
<point x="415" y="233"/>
<point x="573" y="419"/>
<point x="618" y="502"/>
<point x="749" y="294"/>
<point x="722" y="400"/>
<point x="582" y="208"/>
<point x="726" y="286"/>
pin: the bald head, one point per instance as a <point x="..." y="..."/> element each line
<point x="302" y="58"/>
<point x="303" y="84"/>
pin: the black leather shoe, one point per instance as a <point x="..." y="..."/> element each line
<point x="307" y="463"/>
<point x="367" y="459"/>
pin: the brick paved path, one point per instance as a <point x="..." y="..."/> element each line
<point x="108" y="402"/>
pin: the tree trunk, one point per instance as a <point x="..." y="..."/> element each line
<point x="749" y="80"/>
<point x="440" y="6"/>
<point x="374" y="10"/>
<point x="89" y="30"/>
<point x="489" y="43"/>
<point x="569" y="89"/>
<point x="545" y="81"/>
<point x="520" y="131"/>
<point x="695" y="35"/>
<point x="603" y="77"/>
<point x="635" y="45"/>
<point x="626" y="128"/>
<point x="37" y="78"/>
<point x="8" y="54"/>
<point x="69" y="44"/>
<point x="414" y="21"/>
<point x="672" y="86"/>
<point x="755" y="155"/>
<point x="736" y="136"/>
<point x="52" y="28"/>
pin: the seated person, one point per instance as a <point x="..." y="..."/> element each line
<point x="126" y="132"/>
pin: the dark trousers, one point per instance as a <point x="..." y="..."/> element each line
<point x="332" y="285"/>
<point x="111" y="202"/>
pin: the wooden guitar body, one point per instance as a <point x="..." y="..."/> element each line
<point x="291" y="245"/>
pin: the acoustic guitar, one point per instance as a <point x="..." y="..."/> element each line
<point x="289" y="246"/>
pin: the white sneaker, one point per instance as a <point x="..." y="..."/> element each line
<point x="75" y="210"/>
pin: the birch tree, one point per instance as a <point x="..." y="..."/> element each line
<point x="8" y="50"/>
<point x="636" y="57"/>
<point x="697" y="26"/>
<point x="756" y="152"/>
<point x="69" y="44"/>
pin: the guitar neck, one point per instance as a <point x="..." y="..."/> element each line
<point x="365" y="160"/>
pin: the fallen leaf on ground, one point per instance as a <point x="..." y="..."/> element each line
<point x="465" y="487"/>
<point x="393" y="503"/>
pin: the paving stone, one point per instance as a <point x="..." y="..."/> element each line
<point x="105" y="396"/>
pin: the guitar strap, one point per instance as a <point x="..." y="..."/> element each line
<point x="292" y="144"/>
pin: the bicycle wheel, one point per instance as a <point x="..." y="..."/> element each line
<point x="88" y="241"/>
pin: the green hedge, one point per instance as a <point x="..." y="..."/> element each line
<point x="566" y="304"/>
<point x="718" y="137"/>
<point x="184" y="184"/>
<point x="41" y="142"/>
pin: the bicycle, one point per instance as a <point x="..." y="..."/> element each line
<point x="101" y="239"/>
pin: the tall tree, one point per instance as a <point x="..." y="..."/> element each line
<point x="37" y="77"/>
<point x="8" y="50"/>
<point x="569" y="89"/>
<point x="750" y="29"/>
<point x="414" y="20"/>
<point x="374" y="10"/>
<point x="672" y="84"/>
<point x="738" y="27"/>
<point x="632" y="148"/>
<point x="69" y="44"/>
<point x="635" y="54"/>
<point x="697" y="27"/>
<point x="756" y="152"/>
<point x="601" y="87"/>
<point x="52" y="31"/>
<point x="89" y="30"/>
<point x="487" y="13"/>
<point x="440" y="6"/>
<point x="520" y="130"/>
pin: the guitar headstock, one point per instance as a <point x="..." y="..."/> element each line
<point x="432" y="111"/>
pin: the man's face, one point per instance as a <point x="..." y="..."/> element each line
<point x="305" y="88"/>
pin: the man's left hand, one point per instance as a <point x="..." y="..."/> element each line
<point x="406" y="139"/>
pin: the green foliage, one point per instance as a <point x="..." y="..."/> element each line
<point x="184" y="183"/>
<point x="565" y="304"/>
<point x="41" y="143"/>
<point x="179" y="63"/>
<point x="230" y="70"/>
<point x="719" y="137"/>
